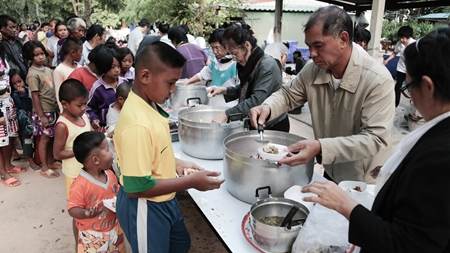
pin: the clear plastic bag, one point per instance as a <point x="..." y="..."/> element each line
<point x="325" y="231"/>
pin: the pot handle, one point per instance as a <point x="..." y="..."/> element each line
<point x="194" y="98"/>
<point x="269" y="191"/>
<point x="236" y="116"/>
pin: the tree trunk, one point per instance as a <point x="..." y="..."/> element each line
<point x="202" y="18"/>
<point x="36" y="7"/>
<point x="87" y="12"/>
<point x="74" y="5"/>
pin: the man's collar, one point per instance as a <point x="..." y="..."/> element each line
<point x="352" y="74"/>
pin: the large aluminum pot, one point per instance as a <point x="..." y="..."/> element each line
<point x="199" y="137"/>
<point x="273" y="237"/>
<point x="184" y="92"/>
<point x="243" y="174"/>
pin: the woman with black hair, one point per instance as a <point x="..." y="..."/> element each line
<point x="259" y="77"/>
<point x="196" y="58"/>
<point x="411" y="209"/>
<point x="221" y="71"/>
<point x="95" y="36"/>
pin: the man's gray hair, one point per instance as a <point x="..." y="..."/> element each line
<point x="334" y="19"/>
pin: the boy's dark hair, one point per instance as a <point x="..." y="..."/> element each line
<point x="362" y="35"/>
<point x="94" y="30"/>
<point x="405" y="31"/>
<point x="72" y="89"/>
<point x="185" y="28"/>
<point x="28" y="48"/>
<point x="144" y="22"/>
<point x="86" y="143"/>
<point x="162" y="56"/>
<point x="71" y="44"/>
<point x="122" y="52"/>
<point x="177" y="34"/>
<point x="104" y="58"/>
<point x="298" y="53"/>
<point x="45" y="24"/>
<point x="112" y="45"/>
<point x="4" y="20"/>
<point x="216" y="36"/>
<point x="123" y="89"/>
<point x="163" y="27"/>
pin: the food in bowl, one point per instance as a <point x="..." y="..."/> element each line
<point x="271" y="150"/>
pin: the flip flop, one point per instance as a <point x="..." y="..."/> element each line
<point x="11" y="182"/>
<point x="17" y="170"/>
<point x="35" y="168"/>
<point x="49" y="173"/>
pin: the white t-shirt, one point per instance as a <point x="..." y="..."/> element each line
<point x="22" y="34"/>
<point x="52" y="45"/>
<point x="399" y="49"/>
<point x="336" y="82"/>
<point x="135" y="39"/>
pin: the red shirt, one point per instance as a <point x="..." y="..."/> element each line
<point x="85" y="76"/>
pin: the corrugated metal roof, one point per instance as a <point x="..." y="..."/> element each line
<point x="288" y="5"/>
<point x="435" y="16"/>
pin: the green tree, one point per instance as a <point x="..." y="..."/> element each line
<point x="200" y="15"/>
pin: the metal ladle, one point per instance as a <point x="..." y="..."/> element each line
<point x="261" y="135"/>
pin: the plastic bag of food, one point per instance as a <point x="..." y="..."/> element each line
<point x="325" y="231"/>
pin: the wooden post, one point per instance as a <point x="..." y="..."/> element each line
<point x="278" y="20"/>
<point x="376" y="23"/>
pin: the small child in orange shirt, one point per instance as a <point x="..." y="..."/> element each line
<point x="99" y="229"/>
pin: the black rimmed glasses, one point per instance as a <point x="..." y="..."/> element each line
<point x="408" y="86"/>
<point x="217" y="48"/>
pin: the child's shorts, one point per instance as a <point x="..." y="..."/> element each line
<point x="38" y="129"/>
<point x="108" y="242"/>
<point x="151" y="226"/>
<point x="11" y="128"/>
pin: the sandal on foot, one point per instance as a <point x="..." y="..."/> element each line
<point x="56" y="165"/>
<point x="49" y="173"/>
<point x="35" y="168"/>
<point x="17" y="170"/>
<point x="11" y="182"/>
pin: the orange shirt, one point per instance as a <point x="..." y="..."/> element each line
<point x="87" y="192"/>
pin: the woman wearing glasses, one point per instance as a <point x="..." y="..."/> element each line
<point x="411" y="212"/>
<point x="221" y="72"/>
<point x="259" y="76"/>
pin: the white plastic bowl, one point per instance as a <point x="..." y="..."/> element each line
<point x="350" y="185"/>
<point x="273" y="157"/>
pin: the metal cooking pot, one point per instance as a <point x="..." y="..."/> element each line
<point x="184" y="92"/>
<point x="199" y="137"/>
<point x="243" y="174"/>
<point x="270" y="237"/>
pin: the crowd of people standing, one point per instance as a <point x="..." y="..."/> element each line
<point x="75" y="91"/>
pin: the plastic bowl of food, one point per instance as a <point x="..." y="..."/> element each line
<point x="272" y="151"/>
<point x="356" y="186"/>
